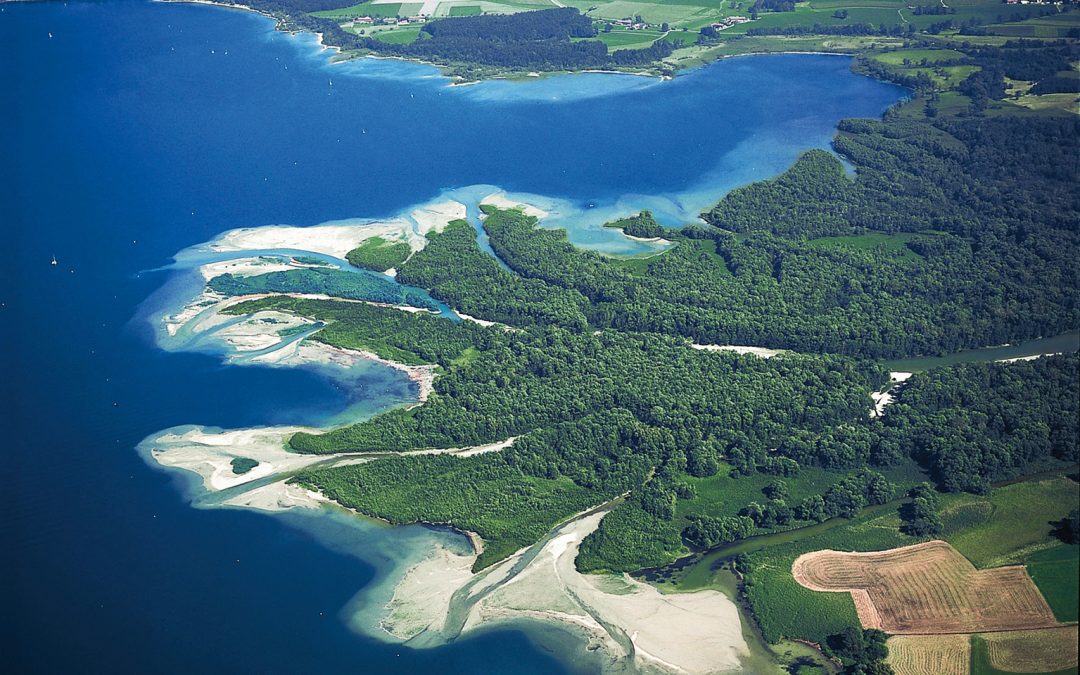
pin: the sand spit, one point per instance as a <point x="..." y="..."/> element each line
<point x="502" y="201"/>
<point x="338" y="238"/>
<point x="762" y="352"/>
<point x="1028" y="358"/>
<point x="306" y="352"/>
<point x="210" y="453"/>
<point x="334" y="240"/>
<point x="659" y="241"/>
<point x="434" y="218"/>
<point x="633" y="623"/>
<point x="483" y="322"/>
<point x="467" y="451"/>
<point x="279" y="496"/>
<point x="246" y="267"/>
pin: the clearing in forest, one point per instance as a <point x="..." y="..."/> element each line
<point x="927" y="588"/>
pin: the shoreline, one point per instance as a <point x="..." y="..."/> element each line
<point x="655" y="71"/>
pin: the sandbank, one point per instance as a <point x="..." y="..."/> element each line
<point x="330" y="239"/>
<point x="884" y="398"/>
<point x="210" y="453"/>
<point x="279" y="496"/>
<point x="762" y="352"/>
<point x="434" y="218"/>
<point x="502" y="201"/>
<point x="632" y="622"/>
<point x="1027" y="358"/>
<point x="246" y="267"/>
<point x="660" y="241"/>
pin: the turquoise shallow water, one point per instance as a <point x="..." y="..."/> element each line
<point x="141" y="129"/>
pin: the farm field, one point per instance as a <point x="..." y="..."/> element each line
<point x="1050" y="652"/>
<point x="400" y="36"/>
<point x="930" y="654"/>
<point x="1039" y="27"/>
<point x="917" y="56"/>
<point x="1010" y="524"/>
<point x="927" y="588"/>
<point x="1056" y="571"/>
<point x="784" y="608"/>
<point x="1039" y="651"/>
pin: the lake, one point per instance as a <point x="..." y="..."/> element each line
<point x="139" y="129"/>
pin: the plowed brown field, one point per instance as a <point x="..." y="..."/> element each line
<point x="927" y="588"/>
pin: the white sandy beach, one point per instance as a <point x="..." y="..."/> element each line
<point x="279" y="496"/>
<point x="209" y="454"/>
<point x="331" y="239"/>
<point x="502" y="201"/>
<point x="434" y="218"/>
<point x="631" y="621"/>
<point x="245" y="267"/>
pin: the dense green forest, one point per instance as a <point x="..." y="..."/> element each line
<point x="958" y="229"/>
<point x="378" y="254"/>
<point x="674" y="415"/>
<point x="953" y="233"/>
<point x="642" y="225"/>
<point x="984" y="224"/>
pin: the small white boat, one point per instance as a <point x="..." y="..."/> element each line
<point x="54" y="263"/>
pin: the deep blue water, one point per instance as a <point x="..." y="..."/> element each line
<point x="139" y="129"/>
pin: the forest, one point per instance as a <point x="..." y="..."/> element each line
<point x="952" y="234"/>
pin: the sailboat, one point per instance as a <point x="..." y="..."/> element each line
<point x="54" y="263"/>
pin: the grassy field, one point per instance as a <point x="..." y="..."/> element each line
<point x="1056" y="571"/>
<point x="1051" y="102"/>
<point x="1040" y="27"/>
<point x="378" y="254"/>
<point x="1011" y="524"/>
<point x="465" y="10"/>
<point x="894" y="243"/>
<point x="1045" y="651"/>
<point x="398" y="36"/>
<point x="722" y="495"/>
<point x="621" y="38"/>
<point x="917" y="56"/>
<point x="784" y="608"/>
<point x="362" y="9"/>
